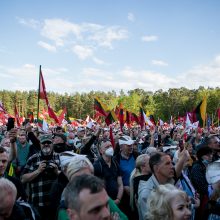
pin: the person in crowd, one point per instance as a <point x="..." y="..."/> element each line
<point x="78" y="166"/>
<point x="126" y="160"/>
<point x="212" y="209"/>
<point x="78" y="140"/>
<point x="141" y="172"/>
<point x="166" y="202"/>
<point x="108" y="169"/>
<point x="40" y="172"/>
<point x="87" y="199"/>
<point x="59" y="143"/>
<point x="70" y="140"/>
<point x="213" y="142"/>
<point x="198" y="178"/>
<point x="22" y="154"/>
<point x="4" y="162"/>
<point x="10" y="209"/>
<point x="163" y="172"/>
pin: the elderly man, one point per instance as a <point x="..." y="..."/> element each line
<point x="40" y="172"/>
<point x="86" y="199"/>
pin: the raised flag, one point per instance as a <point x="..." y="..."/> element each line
<point x="134" y="118"/>
<point x="141" y="118"/>
<point x="43" y="95"/>
<point x="30" y="116"/>
<point x="121" y="117"/>
<point x="128" y="118"/>
<point x="110" y="118"/>
<point x="100" y="107"/>
<point x="199" y="114"/>
<point x="62" y="115"/>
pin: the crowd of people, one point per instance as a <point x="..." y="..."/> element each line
<point x="97" y="172"/>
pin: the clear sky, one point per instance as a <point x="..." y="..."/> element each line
<point x="105" y="45"/>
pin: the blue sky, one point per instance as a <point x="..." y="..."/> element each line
<point x="86" y="45"/>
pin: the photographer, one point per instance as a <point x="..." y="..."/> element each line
<point x="40" y="172"/>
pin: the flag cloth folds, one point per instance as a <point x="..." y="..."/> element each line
<point x="100" y="107"/>
<point x="62" y="115"/>
<point x="142" y="118"/>
<point x="30" y="116"/>
<point x="110" y="118"/>
<point x="199" y="114"/>
<point x="134" y="118"/>
<point x="42" y="94"/>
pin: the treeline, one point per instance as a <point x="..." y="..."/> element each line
<point x="163" y="104"/>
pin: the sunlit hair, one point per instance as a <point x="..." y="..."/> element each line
<point x="158" y="203"/>
<point x="77" y="164"/>
<point x="140" y="161"/>
<point x="7" y="188"/>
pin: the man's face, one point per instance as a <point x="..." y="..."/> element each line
<point x="58" y="140"/>
<point x="127" y="149"/>
<point x="215" y="143"/>
<point x="93" y="206"/>
<point x="165" y="168"/>
<point x="22" y="139"/>
<point x="3" y="162"/>
<point x="81" y="134"/>
<point x="105" y="146"/>
<point x="47" y="147"/>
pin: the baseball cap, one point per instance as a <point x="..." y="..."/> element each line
<point x="125" y="140"/>
<point x="213" y="172"/>
<point x="45" y="137"/>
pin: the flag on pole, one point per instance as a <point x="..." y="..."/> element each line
<point x="100" y="107"/>
<point x="141" y="118"/>
<point x="110" y="118"/>
<point x="62" y="115"/>
<point x="121" y="117"/>
<point x="199" y="114"/>
<point x="42" y="94"/>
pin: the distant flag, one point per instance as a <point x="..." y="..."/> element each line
<point x="43" y="125"/>
<point x="30" y="116"/>
<point x="128" y="118"/>
<point x="199" y="114"/>
<point x="62" y="115"/>
<point x="100" y="107"/>
<point x="142" y="118"/>
<point x="134" y="118"/>
<point x="152" y="119"/>
<point x="110" y="118"/>
<point x="42" y="94"/>
<point x="17" y="118"/>
<point x="121" y="117"/>
<point x="160" y="122"/>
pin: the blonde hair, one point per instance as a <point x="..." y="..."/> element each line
<point x="158" y="203"/>
<point x="140" y="160"/>
<point x="78" y="163"/>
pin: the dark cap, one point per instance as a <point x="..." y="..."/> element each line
<point x="205" y="150"/>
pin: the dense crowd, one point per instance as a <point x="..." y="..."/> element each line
<point x="96" y="172"/>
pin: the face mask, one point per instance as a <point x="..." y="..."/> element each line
<point x="46" y="151"/>
<point x="109" y="152"/>
<point x="70" y="141"/>
<point x="205" y="162"/>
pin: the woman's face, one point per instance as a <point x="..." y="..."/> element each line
<point x="180" y="208"/>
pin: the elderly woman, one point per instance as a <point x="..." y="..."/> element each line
<point x="167" y="202"/>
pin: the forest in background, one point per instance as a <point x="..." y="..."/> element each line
<point x="161" y="104"/>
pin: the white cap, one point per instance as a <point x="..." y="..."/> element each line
<point x="90" y="125"/>
<point x="80" y="129"/>
<point x="125" y="140"/>
<point x="165" y="148"/>
<point x="66" y="157"/>
<point x="213" y="172"/>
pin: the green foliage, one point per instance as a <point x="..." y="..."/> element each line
<point x="161" y="103"/>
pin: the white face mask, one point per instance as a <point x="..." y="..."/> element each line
<point x="109" y="152"/>
<point x="46" y="151"/>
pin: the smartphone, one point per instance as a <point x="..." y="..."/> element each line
<point x="10" y="124"/>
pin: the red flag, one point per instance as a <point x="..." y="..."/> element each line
<point x="141" y="119"/>
<point x="62" y="115"/>
<point x="134" y="118"/>
<point x="128" y="118"/>
<point x="43" y="95"/>
<point x="111" y="137"/>
<point x="17" y="116"/>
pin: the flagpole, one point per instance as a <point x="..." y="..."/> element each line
<point x="38" y="101"/>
